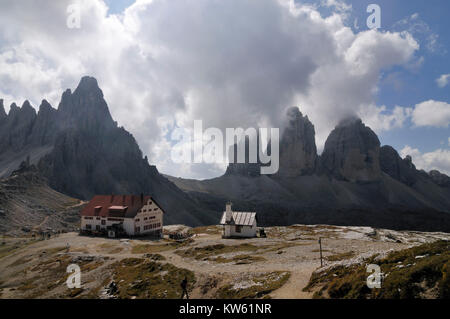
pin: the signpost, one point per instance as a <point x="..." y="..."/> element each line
<point x="320" y="245"/>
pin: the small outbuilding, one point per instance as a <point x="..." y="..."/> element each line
<point x="238" y="224"/>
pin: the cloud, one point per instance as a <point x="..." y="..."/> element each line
<point x="164" y="63"/>
<point x="436" y="160"/>
<point x="442" y="81"/>
<point x="417" y="27"/>
<point x="431" y="113"/>
<point x="380" y="119"/>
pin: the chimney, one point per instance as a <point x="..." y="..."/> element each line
<point x="228" y="212"/>
<point x="123" y="200"/>
<point x="142" y="198"/>
<point x="112" y="198"/>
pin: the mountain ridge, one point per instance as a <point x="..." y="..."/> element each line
<point x="81" y="151"/>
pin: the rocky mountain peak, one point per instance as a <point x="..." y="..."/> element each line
<point x="439" y="178"/>
<point x="246" y="168"/>
<point x="298" y="152"/>
<point x="88" y="84"/>
<point x="400" y="169"/>
<point x="26" y="106"/>
<point x="13" y="109"/>
<point x="85" y="107"/>
<point x="46" y="124"/>
<point x="45" y="107"/>
<point x="27" y="113"/>
<point x="352" y="152"/>
<point x="3" y="114"/>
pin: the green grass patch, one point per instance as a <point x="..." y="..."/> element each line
<point x="12" y="247"/>
<point x="341" y="256"/>
<point x="145" y="279"/>
<point x="418" y="272"/>
<point x="109" y="248"/>
<point x="157" y="248"/>
<point x="155" y="257"/>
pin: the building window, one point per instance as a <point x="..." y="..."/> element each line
<point x="137" y="229"/>
<point x="88" y="226"/>
<point x="238" y="228"/>
<point x="103" y="222"/>
<point x="97" y="227"/>
<point x="137" y="220"/>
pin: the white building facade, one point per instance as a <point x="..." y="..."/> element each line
<point x="117" y="214"/>
<point x="238" y="224"/>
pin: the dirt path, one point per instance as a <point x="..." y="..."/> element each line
<point x="43" y="222"/>
<point x="293" y="289"/>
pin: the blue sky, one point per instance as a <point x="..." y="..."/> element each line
<point x="117" y="6"/>
<point x="407" y="87"/>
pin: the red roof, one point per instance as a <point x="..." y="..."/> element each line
<point x="126" y="206"/>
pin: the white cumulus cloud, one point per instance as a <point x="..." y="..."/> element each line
<point x="442" y="81"/>
<point x="431" y="113"/>
<point x="436" y="160"/>
<point x="164" y="63"/>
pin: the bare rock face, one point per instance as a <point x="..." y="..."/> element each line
<point x="352" y="152"/>
<point x="439" y="178"/>
<point x="298" y="152"/>
<point x="400" y="169"/>
<point x="85" y="108"/>
<point x="16" y="127"/>
<point x="3" y="114"/>
<point x="247" y="168"/>
<point x="45" y="127"/>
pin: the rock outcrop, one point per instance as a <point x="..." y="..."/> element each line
<point x="400" y="169"/>
<point x="352" y="152"/>
<point x="248" y="167"/>
<point x="298" y="152"/>
<point x="15" y="132"/>
<point x="28" y="204"/>
<point x="439" y="178"/>
<point x="3" y="114"/>
<point x="45" y="128"/>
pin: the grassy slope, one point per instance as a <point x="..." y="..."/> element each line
<point x="419" y="272"/>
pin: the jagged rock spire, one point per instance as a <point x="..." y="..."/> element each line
<point x="298" y="152"/>
<point x="352" y="152"/>
<point x="3" y="114"/>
